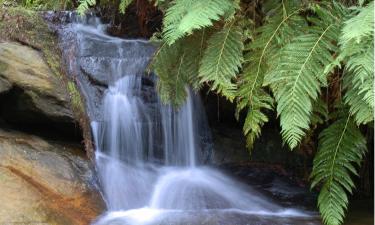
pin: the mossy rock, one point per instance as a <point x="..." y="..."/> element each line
<point x="23" y="70"/>
<point x="27" y="27"/>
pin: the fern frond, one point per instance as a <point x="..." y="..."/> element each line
<point x="222" y="59"/>
<point x="277" y="31"/>
<point x="193" y="48"/>
<point x="84" y="5"/>
<point x="300" y="72"/>
<point x="359" y="86"/>
<point x="256" y="99"/>
<point x="184" y="16"/>
<point x="256" y="116"/>
<point x="167" y="64"/>
<point x="359" y="26"/>
<point x="340" y="146"/>
<point x="177" y="66"/>
<point x="124" y="5"/>
<point x="357" y="49"/>
<point x="296" y="82"/>
<point x="320" y="112"/>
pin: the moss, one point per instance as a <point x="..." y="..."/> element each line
<point x="40" y="4"/>
<point x="75" y="97"/>
<point x="3" y="66"/>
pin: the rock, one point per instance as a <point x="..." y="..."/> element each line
<point x="274" y="181"/>
<point x="90" y="62"/>
<point x="4" y="85"/>
<point x="45" y="183"/>
<point x="23" y="70"/>
<point x="229" y="146"/>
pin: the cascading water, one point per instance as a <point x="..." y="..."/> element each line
<point x="149" y="156"/>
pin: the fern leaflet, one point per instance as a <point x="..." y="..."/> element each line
<point x="184" y="16"/>
<point x="222" y="59"/>
<point x="124" y="5"/>
<point x="84" y="5"/>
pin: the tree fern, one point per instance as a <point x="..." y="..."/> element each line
<point x="340" y="146"/>
<point x="222" y="59"/>
<point x="299" y="74"/>
<point x="184" y="16"/>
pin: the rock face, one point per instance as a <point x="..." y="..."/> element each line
<point x="41" y="182"/>
<point x="44" y="183"/>
<point x="34" y="92"/>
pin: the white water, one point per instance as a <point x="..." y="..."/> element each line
<point x="137" y="190"/>
<point x="143" y="185"/>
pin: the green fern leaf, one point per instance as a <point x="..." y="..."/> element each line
<point x="253" y="96"/>
<point x="124" y="5"/>
<point x="359" y="26"/>
<point x="277" y="31"/>
<point x="184" y="16"/>
<point x="340" y="146"/>
<point x="359" y="86"/>
<point x="84" y="5"/>
<point x="300" y="71"/>
<point x="320" y="112"/>
<point x="222" y="59"/>
<point x="168" y="66"/>
<point x="177" y="67"/>
<point x="357" y="49"/>
<point x="256" y="117"/>
<point x="296" y="81"/>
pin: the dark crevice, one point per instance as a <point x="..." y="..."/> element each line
<point x="17" y="112"/>
<point x="27" y="44"/>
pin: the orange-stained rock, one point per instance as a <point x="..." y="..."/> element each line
<point x="45" y="183"/>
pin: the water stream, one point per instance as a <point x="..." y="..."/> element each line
<point x="151" y="158"/>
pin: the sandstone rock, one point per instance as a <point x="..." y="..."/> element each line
<point x="45" y="183"/>
<point x="24" y="69"/>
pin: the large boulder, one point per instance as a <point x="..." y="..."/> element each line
<point x="34" y="92"/>
<point x="45" y="183"/>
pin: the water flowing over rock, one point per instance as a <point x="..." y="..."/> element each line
<point x="150" y="157"/>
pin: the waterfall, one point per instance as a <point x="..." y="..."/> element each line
<point x="150" y="157"/>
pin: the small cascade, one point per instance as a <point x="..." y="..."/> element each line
<point x="150" y="157"/>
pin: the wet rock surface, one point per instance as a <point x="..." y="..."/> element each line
<point x="274" y="181"/>
<point x="95" y="60"/>
<point x="44" y="182"/>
